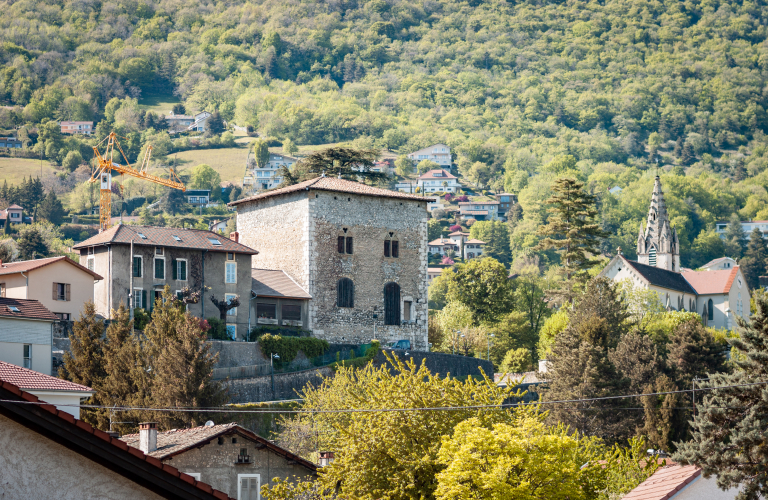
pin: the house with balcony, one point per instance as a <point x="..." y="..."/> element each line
<point x="198" y="197"/>
<point x="506" y="200"/>
<point x="747" y="226"/>
<point x="479" y="210"/>
<point x="72" y="128"/>
<point x="200" y="123"/>
<point x="438" y="153"/>
<point x="10" y="142"/>
<point x="438" y="181"/>
<point x="453" y="244"/>
<point x="267" y="177"/>
<point x="137" y="262"/>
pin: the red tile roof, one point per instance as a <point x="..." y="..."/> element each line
<point x="16" y="206"/>
<point x="28" y="309"/>
<point x="431" y="175"/>
<point x="440" y="242"/>
<point x="164" y="237"/>
<point x="708" y="282"/>
<point x="664" y="483"/>
<point x="32" y="380"/>
<point x="276" y="283"/>
<point x="335" y="185"/>
<point x="29" y="265"/>
<point x="78" y="435"/>
<point x="477" y="242"/>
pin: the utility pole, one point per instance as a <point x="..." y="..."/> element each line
<point x="130" y="292"/>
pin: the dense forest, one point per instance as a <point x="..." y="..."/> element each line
<point x="522" y="91"/>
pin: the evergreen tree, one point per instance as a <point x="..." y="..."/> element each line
<point x="753" y="264"/>
<point x="261" y="152"/>
<point x="666" y="418"/>
<point x="728" y="437"/>
<point x="215" y="123"/>
<point x="31" y="244"/>
<point x="735" y="238"/>
<point x="84" y="364"/>
<point x="51" y="209"/>
<point x="349" y="163"/>
<point x="580" y="366"/>
<point x="694" y="352"/>
<point x="4" y="191"/>
<point x="174" y="201"/>
<point x="678" y="151"/>
<point x="572" y="231"/>
<point x="687" y="156"/>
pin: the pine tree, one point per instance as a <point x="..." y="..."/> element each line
<point x="678" y="147"/>
<point x="687" y="156"/>
<point x="579" y="366"/>
<point x="51" y="209"/>
<point x="735" y="238"/>
<point x="665" y="415"/>
<point x="694" y="352"/>
<point x="84" y="364"/>
<point x="572" y="230"/>
<point x="728" y="437"/>
<point x="753" y="264"/>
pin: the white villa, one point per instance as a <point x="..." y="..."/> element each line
<point x="267" y="177"/>
<point x="438" y="153"/>
<point x="472" y="248"/>
<point x="439" y="181"/>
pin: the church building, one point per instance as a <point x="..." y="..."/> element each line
<point x="717" y="293"/>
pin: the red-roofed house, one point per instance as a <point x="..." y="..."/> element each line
<point x="439" y="180"/>
<point x="48" y="453"/>
<point x="58" y="283"/>
<point x="679" y="482"/>
<point x="722" y="295"/>
<point x="63" y="394"/>
<point x="26" y="333"/>
<point x="14" y="214"/>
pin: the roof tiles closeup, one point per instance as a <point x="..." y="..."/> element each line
<point x="333" y="184"/>
<point x="665" y="483"/>
<point x="31" y="380"/>
<point x="166" y="237"/>
<point x="708" y="282"/>
<point x="24" y="309"/>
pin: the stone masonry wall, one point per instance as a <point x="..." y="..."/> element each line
<point x="258" y="389"/>
<point x="369" y="220"/>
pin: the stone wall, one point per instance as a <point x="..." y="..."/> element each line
<point x="286" y="386"/>
<point x="443" y="364"/>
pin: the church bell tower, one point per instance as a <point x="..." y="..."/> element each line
<point x="658" y="246"/>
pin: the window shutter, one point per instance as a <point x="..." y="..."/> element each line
<point x="144" y="299"/>
<point x="386" y="248"/>
<point x="66" y="292"/>
<point x="341" y="244"/>
<point x="395" y="249"/>
<point x="349" y="244"/>
<point x="392" y="304"/>
<point x="54" y="292"/>
<point x="173" y="269"/>
<point x="183" y="270"/>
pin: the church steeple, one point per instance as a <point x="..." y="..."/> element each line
<point x="658" y="245"/>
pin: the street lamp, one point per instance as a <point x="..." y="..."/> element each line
<point x="489" y="345"/>
<point x="454" y="341"/>
<point x="272" y="358"/>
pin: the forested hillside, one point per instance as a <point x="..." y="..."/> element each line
<point x="513" y="87"/>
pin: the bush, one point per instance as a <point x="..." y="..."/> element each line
<point x="360" y="362"/>
<point x="516" y="361"/>
<point x="259" y="330"/>
<point x="218" y="329"/>
<point x="141" y="319"/>
<point x="288" y="347"/>
<point x="455" y="228"/>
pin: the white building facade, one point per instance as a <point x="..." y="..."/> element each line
<point x="438" y="153"/>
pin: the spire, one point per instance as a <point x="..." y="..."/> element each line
<point x="658" y="245"/>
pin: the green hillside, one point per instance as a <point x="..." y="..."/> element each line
<point x="622" y="86"/>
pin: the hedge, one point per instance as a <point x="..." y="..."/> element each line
<point x="288" y="347"/>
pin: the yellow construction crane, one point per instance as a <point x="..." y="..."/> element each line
<point x="103" y="175"/>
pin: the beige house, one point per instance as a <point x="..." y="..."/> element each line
<point x="59" y="283"/>
<point x="26" y="334"/>
<point x="65" y="395"/>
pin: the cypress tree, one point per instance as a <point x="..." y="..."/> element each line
<point x="728" y="437"/>
<point x="753" y="265"/>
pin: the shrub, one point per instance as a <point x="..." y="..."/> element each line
<point x="288" y="347"/>
<point x="218" y="329"/>
<point x="463" y="198"/>
<point x="455" y="228"/>
<point x="141" y="318"/>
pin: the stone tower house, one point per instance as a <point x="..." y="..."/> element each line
<point x="359" y="251"/>
<point x="658" y="246"/>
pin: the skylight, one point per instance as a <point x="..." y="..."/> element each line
<point x="176" y="238"/>
<point x="141" y="235"/>
<point x="13" y="309"/>
<point x="214" y="241"/>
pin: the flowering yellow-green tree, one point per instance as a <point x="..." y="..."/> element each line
<point x="519" y="461"/>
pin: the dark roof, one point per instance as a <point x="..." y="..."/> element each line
<point x="177" y="441"/>
<point x="164" y="237"/>
<point x="32" y="380"/>
<point x="662" y="277"/>
<point x="100" y="447"/>
<point x="276" y="283"/>
<point x="197" y="192"/>
<point x="335" y="185"/>
<point x="28" y="309"/>
<point x="30" y="265"/>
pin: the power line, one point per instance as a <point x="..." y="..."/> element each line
<point x="377" y="410"/>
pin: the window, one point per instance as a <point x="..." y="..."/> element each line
<point x="13" y="309"/>
<point x="710" y="310"/>
<point x="345" y="293"/>
<point x="138" y="295"/>
<point x="159" y="268"/>
<point x="228" y="297"/>
<point x="193" y="199"/>
<point x="176" y="238"/>
<point x="230" y="275"/>
<point x="138" y="266"/>
<point x="179" y="267"/>
<point x="214" y="242"/>
<point x="248" y="487"/>
<point x="264" y="310"/>
<point x="61" y="291"/>
<point x="407" y="310"/>
<point x="28" y="356"/>
<point x="230" y="256"/>
<point x="62" y="316"/>
<point x="141" y="235"/>
<point x="387" y="245"/>
<point x="652" y="256"/>
<point x="291" y="312"/>
<point x="159" y="251"/>
<point x="196" y="475"/>
<point x="232" y="332"/>
<point x="89" y="263"/>
<point x="392" y="304"/>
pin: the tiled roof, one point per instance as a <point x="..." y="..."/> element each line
<point x="717" y="261"/>
<point x="28" y="309"/>
<point x="477" y="242"/>
<point x="431" y="175"/>
<point x="16" y="206"/>
<point x="458" y="233"/>
<point x="665" y="483"/>
<point x="164" y="237"/>
<point x="708" y="282"/>
<point x="30" y="265"/>
<point x="336" y="185"/>
<point x="465" y="203"/>
<point x="276" y="283"/>
<point x="171" y="443"/>
<point x="661" y="277"/>
<point x="32" y="380"/>
<point x="440" y="242"/>
<point x="111" y="452"/>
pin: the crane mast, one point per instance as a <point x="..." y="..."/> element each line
<point x="103" y="175"/>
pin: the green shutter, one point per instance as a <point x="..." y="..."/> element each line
<point x="173" y="269"/>
<point x="183" y="270"/>
<point x="144" y="299"/>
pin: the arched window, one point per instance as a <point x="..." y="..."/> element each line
<point x="710" y="310"/>
<point x="345" y="293"/>
<point x="344" y="245"/>
<point x="652" y="256"/>
<point x="391" y="304"/>
<point x="391" y="246"/>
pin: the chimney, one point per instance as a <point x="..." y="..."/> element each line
<point x="234" y="236"/>
<point x="148" y="436"/>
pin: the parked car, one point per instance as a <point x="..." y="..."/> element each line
<point x="399" y="344"/>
